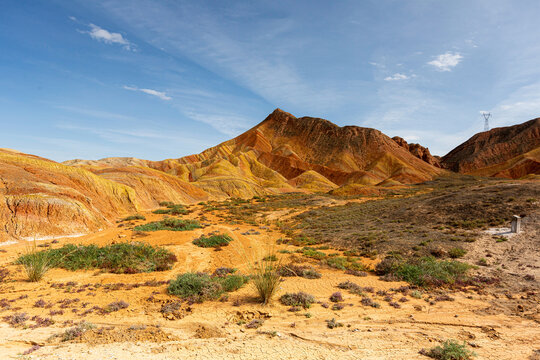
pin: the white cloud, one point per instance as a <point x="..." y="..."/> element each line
<point x="377" y="65"/>
<point x="99" y="34"/>
<point x="159" y="94"/>
<point x="396" y="76"/>
<point x="446" y="61"/>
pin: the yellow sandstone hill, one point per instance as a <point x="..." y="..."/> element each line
<point x="40" y="197"/>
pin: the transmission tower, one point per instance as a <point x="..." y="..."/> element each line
<point x="486" y="116"/>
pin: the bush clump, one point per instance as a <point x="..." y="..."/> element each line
<point x="123" y="258"/>
<point x="133" y="217"/>
<point x="266" y="278"/>
<point x="198" y="287"/>
<point x="170" y="224"/>
<point x="456" y="252"/>
<point x="299" y="270"/>
<point x="426" y="271"/>
<point x="36" y="263"/>
<point x="213" y="241"/>
<point x="172" y="209"/>
<point x="297" y="299"/>
<point x="450" y="350"/>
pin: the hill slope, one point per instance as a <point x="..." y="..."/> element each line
<point x="40" y="197"/>
<point x="283" y="154"/>
<point x="510" y="152"/>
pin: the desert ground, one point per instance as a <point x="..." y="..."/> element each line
<point x="497" y="320"/>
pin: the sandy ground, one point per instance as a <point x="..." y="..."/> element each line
<point x="216" y="330"/>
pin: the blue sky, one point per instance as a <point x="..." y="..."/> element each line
<point x="164" y="79"/>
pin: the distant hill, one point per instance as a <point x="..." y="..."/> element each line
<point x="508" y="152"/>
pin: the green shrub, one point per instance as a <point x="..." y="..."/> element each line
<point x="170" y="224"/>
<point x="450" y="350"/>
<point x="337" y="262"/>
<point x="429" y="271"/>
<point x="120" y="258"/>
<point x="314" y="254"/>
<point x="457" y="252"/>
<point x="134" y="217"/>
<point x="174" y="209"/>
<point x="200" y="286"/>
<point x="213" y="241"/>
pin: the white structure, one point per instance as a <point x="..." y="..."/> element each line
<point x="516" y="224"/>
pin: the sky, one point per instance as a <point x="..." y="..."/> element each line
<point x="165" y="79"/>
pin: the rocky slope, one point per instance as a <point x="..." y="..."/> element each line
<point x="510" y="152"/>
<point x="419" y="151"/>
<point x="40" y="198"/>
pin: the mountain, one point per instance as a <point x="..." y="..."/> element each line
<point x="283" y="154"/>
<point x="508" y="152"/>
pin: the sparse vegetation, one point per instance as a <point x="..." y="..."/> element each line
<point x="76" y="331"/>
<point x="266" y="278"/>
<point x="171" y="224"/>
<point x="255" y="324"/>
<point x="4" y="273"/>
<point x="456" y="252"/>
<point x="123" y="258"/>
<point x="36" y="263"/>
<point x="214" y="241"/>
<point x="336" y="297"/>
<point x="297" y="299"/>
<point x="450" y="350"/>
<point x="424" y="272"/>
<point x="304" y="271"/>
<point x="133" y="217"/>
<point x="171" y="209"/>
<point x="332" y="323"/>
<point x="444" y="214"/>
<point x="115" y="306"/>
<point x="16" y="319"/>
<point x="198" y="287"/>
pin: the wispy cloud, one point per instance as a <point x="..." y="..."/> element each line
<point x="446" y="61"/>
<point x="159" y="94"/>
<point x="396" y="77"/>
<point x="95" y="113"/>
<point x="134" y="135"/>
<point x="229" y="124"/>
<point x="100" y="34"/>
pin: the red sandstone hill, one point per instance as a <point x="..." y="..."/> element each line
<point x="419" y="151"/>
<point x="283" y="154"/>
<point x="510" y="152"/>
